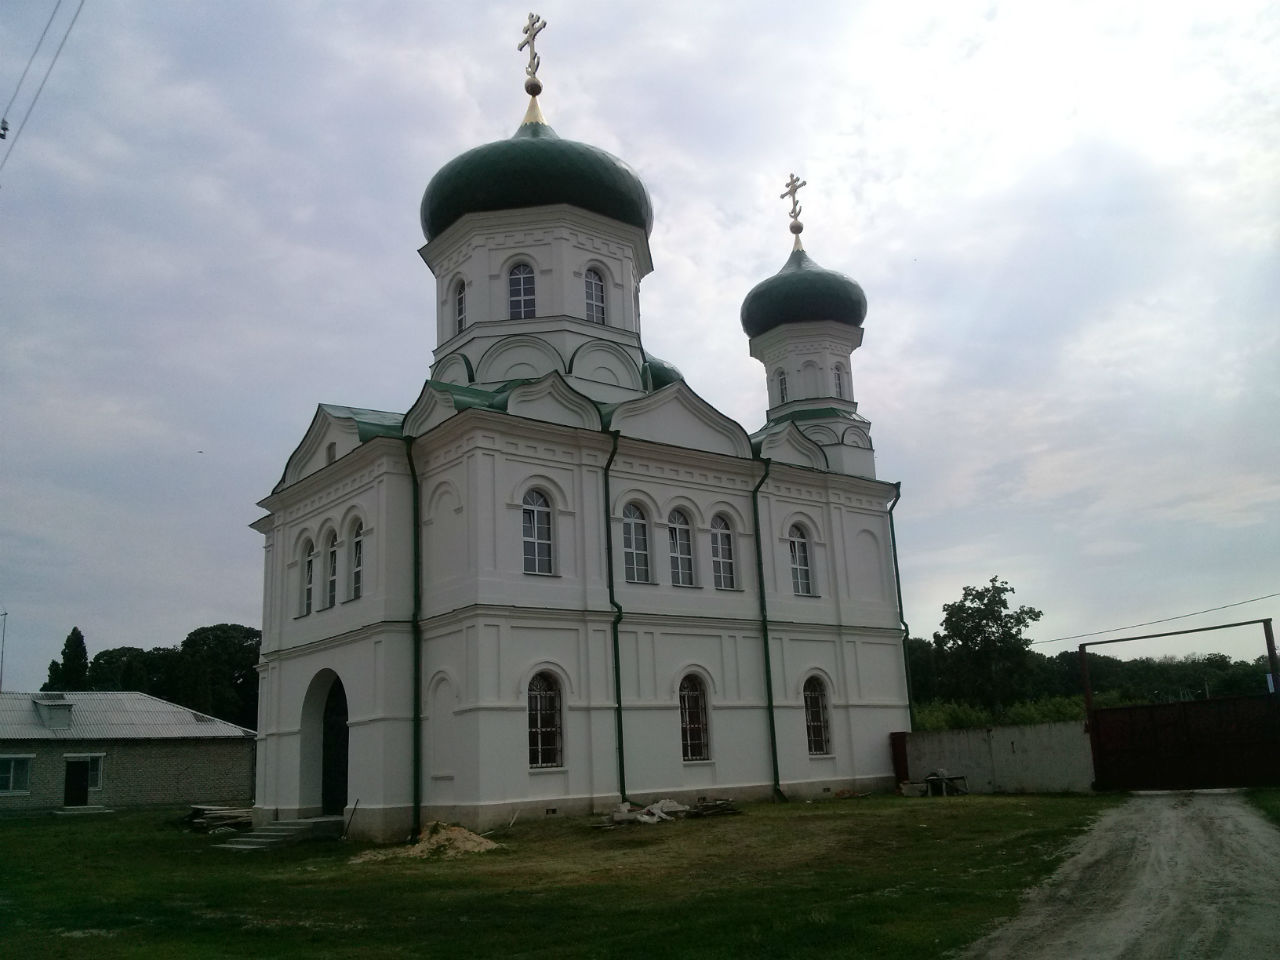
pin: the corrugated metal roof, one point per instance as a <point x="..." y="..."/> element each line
<point x="105" y="716"/>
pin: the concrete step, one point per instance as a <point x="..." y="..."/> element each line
<point x="280" y="832"/>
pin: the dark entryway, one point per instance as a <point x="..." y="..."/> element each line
<point x="1231" y="742"/>
<point x="333" y="751"/>
<point x="76" y="791"/>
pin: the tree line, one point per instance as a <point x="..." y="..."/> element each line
<point x="979" y="670"/>
<point x="212" y="671"/>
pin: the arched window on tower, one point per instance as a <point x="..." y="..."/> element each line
<point x="536" y="528"/>
<point x="839" y="378"/>
<point x="331" y="569"/>
<point x="595" y="296"/>
<point x="460" y="305"/>
<point x="635" y="544"/>
<point x="308" y="565"/>
<point x="546" y="736"/>
<point x="782" y="386"/>
<point x="722" y="554"/>
<point x="816" y="725"/>
<point x="520" y="292"/>
<point x="357" y="560"/>
<point x="694" y="742"/>
<point x="801" y="572"/>
<point x="680" y="535"/>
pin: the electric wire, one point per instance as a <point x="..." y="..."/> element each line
<point x="31" y="106"/>
<point x="32" y="59"/>
<point x="1148" y="623"/>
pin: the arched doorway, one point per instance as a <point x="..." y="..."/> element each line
<point x="334" y="737"/>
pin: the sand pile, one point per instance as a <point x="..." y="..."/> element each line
<point x="439" y="841"/>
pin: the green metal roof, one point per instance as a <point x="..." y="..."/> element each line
<point x="369" y="423"/>
<point x="534" y="168"/>
<point x="802" y="292"/>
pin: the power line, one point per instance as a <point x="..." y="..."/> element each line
<point x="1148" y="623"/>
<point x="32" y="59"/>
<point x="31" y="106"/>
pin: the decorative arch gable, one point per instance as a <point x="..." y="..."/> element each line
<point x="676" y="415"/>
<point x="605" y="362"/>
<point x="518" y="358"/>
<point x="433" y="407"/>
<point x="553" y="400"/>
<point x="790" y="445"/>
<point x="455" y="368"/>
<point x="309" y="455"/>
<point x="856" y="437"/>
<point x="821" y="435"/>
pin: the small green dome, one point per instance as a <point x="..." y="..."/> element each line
<point x="800" y="292"/>
<point x="532" y="169"/>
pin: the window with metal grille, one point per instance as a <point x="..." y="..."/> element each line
<point x="680" y="536"/>
<point x="545" y="732"/>
<point x="357" y="560"/>
<point x="801" y="573"/>
<point x="520" y="292"/>
<point x="460" y="305"/>
<point x="693" y="719"/>
<point x="595" y="296"/>
<point x="635" y="544"/>
<point x="15" y="774"/>
<point x="536" y="523"/>
<point x="816" y="725"/>
<point x="722" y="570"/>
<point x="331" y="570"/>
<point x="782" y="387"/>
<point x="308" y="575"/>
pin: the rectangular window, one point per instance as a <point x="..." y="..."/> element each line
<point x="95" y="773"/>
<point x="15" y="774"/>
<point x="681" y="555"/>
<point x="722" y="558"/>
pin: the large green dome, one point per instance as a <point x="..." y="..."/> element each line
<point x="532" y="169"/>
<point x="801" y="292"/>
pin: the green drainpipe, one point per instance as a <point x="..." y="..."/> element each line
<point x="764" y="631"/>
<point x="897" y="583"/>
<point x="617" y="619"/>
<point x="415" y="628"/>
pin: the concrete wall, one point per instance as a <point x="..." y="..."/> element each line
<point x="1040" y="758"/>
<point x="138" y="773"/>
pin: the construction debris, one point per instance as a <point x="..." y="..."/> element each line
<point x="439" y="841"/>
<point x="211" y="819"/>
<point x="668" y="809"/>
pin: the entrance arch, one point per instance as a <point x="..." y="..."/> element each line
<point x="325" y="747"/>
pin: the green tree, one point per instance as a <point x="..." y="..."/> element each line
<point x="72" y="673"/>
<point x="119" y="668"/>
<point x="219" y="672"/>
<point x="983" y="648"/>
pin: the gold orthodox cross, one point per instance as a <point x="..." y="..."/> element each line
<point x="794" y="184"/>
<point x="531" y="30"/>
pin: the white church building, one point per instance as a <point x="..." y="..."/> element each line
<point x="562" y="578"/>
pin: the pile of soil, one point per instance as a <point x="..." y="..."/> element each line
<point x="439" y="841"/>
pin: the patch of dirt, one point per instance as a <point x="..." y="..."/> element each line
<point x="440" y="841"/>
<point x="1188" y="875"/>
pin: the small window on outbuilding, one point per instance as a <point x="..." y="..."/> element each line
<point x="15" y="774"/>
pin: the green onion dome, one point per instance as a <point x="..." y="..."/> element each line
<point x="532" y="169"/>
<point x="802" y="292"/>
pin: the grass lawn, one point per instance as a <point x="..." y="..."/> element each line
<point x="1267" y="799"/>
<point x="883" y="877"/>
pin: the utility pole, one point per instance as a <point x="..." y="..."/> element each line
<point x="4" y="625"/>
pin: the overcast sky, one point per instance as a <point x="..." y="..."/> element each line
<point x="1064" y="217"/>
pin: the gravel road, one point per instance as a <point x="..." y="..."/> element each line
<point x="1165" y="875"/>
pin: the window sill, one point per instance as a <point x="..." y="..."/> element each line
<point x="535" y="573"/>
<point x="688" y="586"/>
<point x="537" y="771"/>
<point x="699" y="763"/>
<point x="808" y="596"/>
<point x="642" y="583"/>
<point x="732" y="589"/>
<point x="350" y="600"/>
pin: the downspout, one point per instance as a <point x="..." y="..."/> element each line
<point x="764" y="630"/>
<point x="897" y="583"/>
<point x="415" y="628"/>
<point x="617" y="619"/>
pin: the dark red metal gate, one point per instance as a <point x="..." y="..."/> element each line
<point x="1231" y="742"/>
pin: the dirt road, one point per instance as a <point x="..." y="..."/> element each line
<point x="1187" y="875"/>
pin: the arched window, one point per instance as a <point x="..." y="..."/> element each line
<point x="331" y="569"/>
<point x="635" y="544"/>
<point x="839" y="377"/>
<point x="782" y="387"/>
<point x="816" y="725"/>
<point x="693" y="719"/>
<point x="308" y="574"/>
<point x="460" y="305"/>
<point x="520" y="292"/>
<point x="801" y="573"/>
<point x="546" y="739"/>
<point x="595" y="296"/>
<point x="722" y="554"/>
<point x="357" y="560"/>
<point x="680" y="536"/>
<point x="536" y="524"/>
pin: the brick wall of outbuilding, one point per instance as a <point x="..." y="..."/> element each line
<point x="139" y="772"/>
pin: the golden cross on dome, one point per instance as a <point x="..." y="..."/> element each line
<point x="794" y="184"/>
<point x="531" y="30"/>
